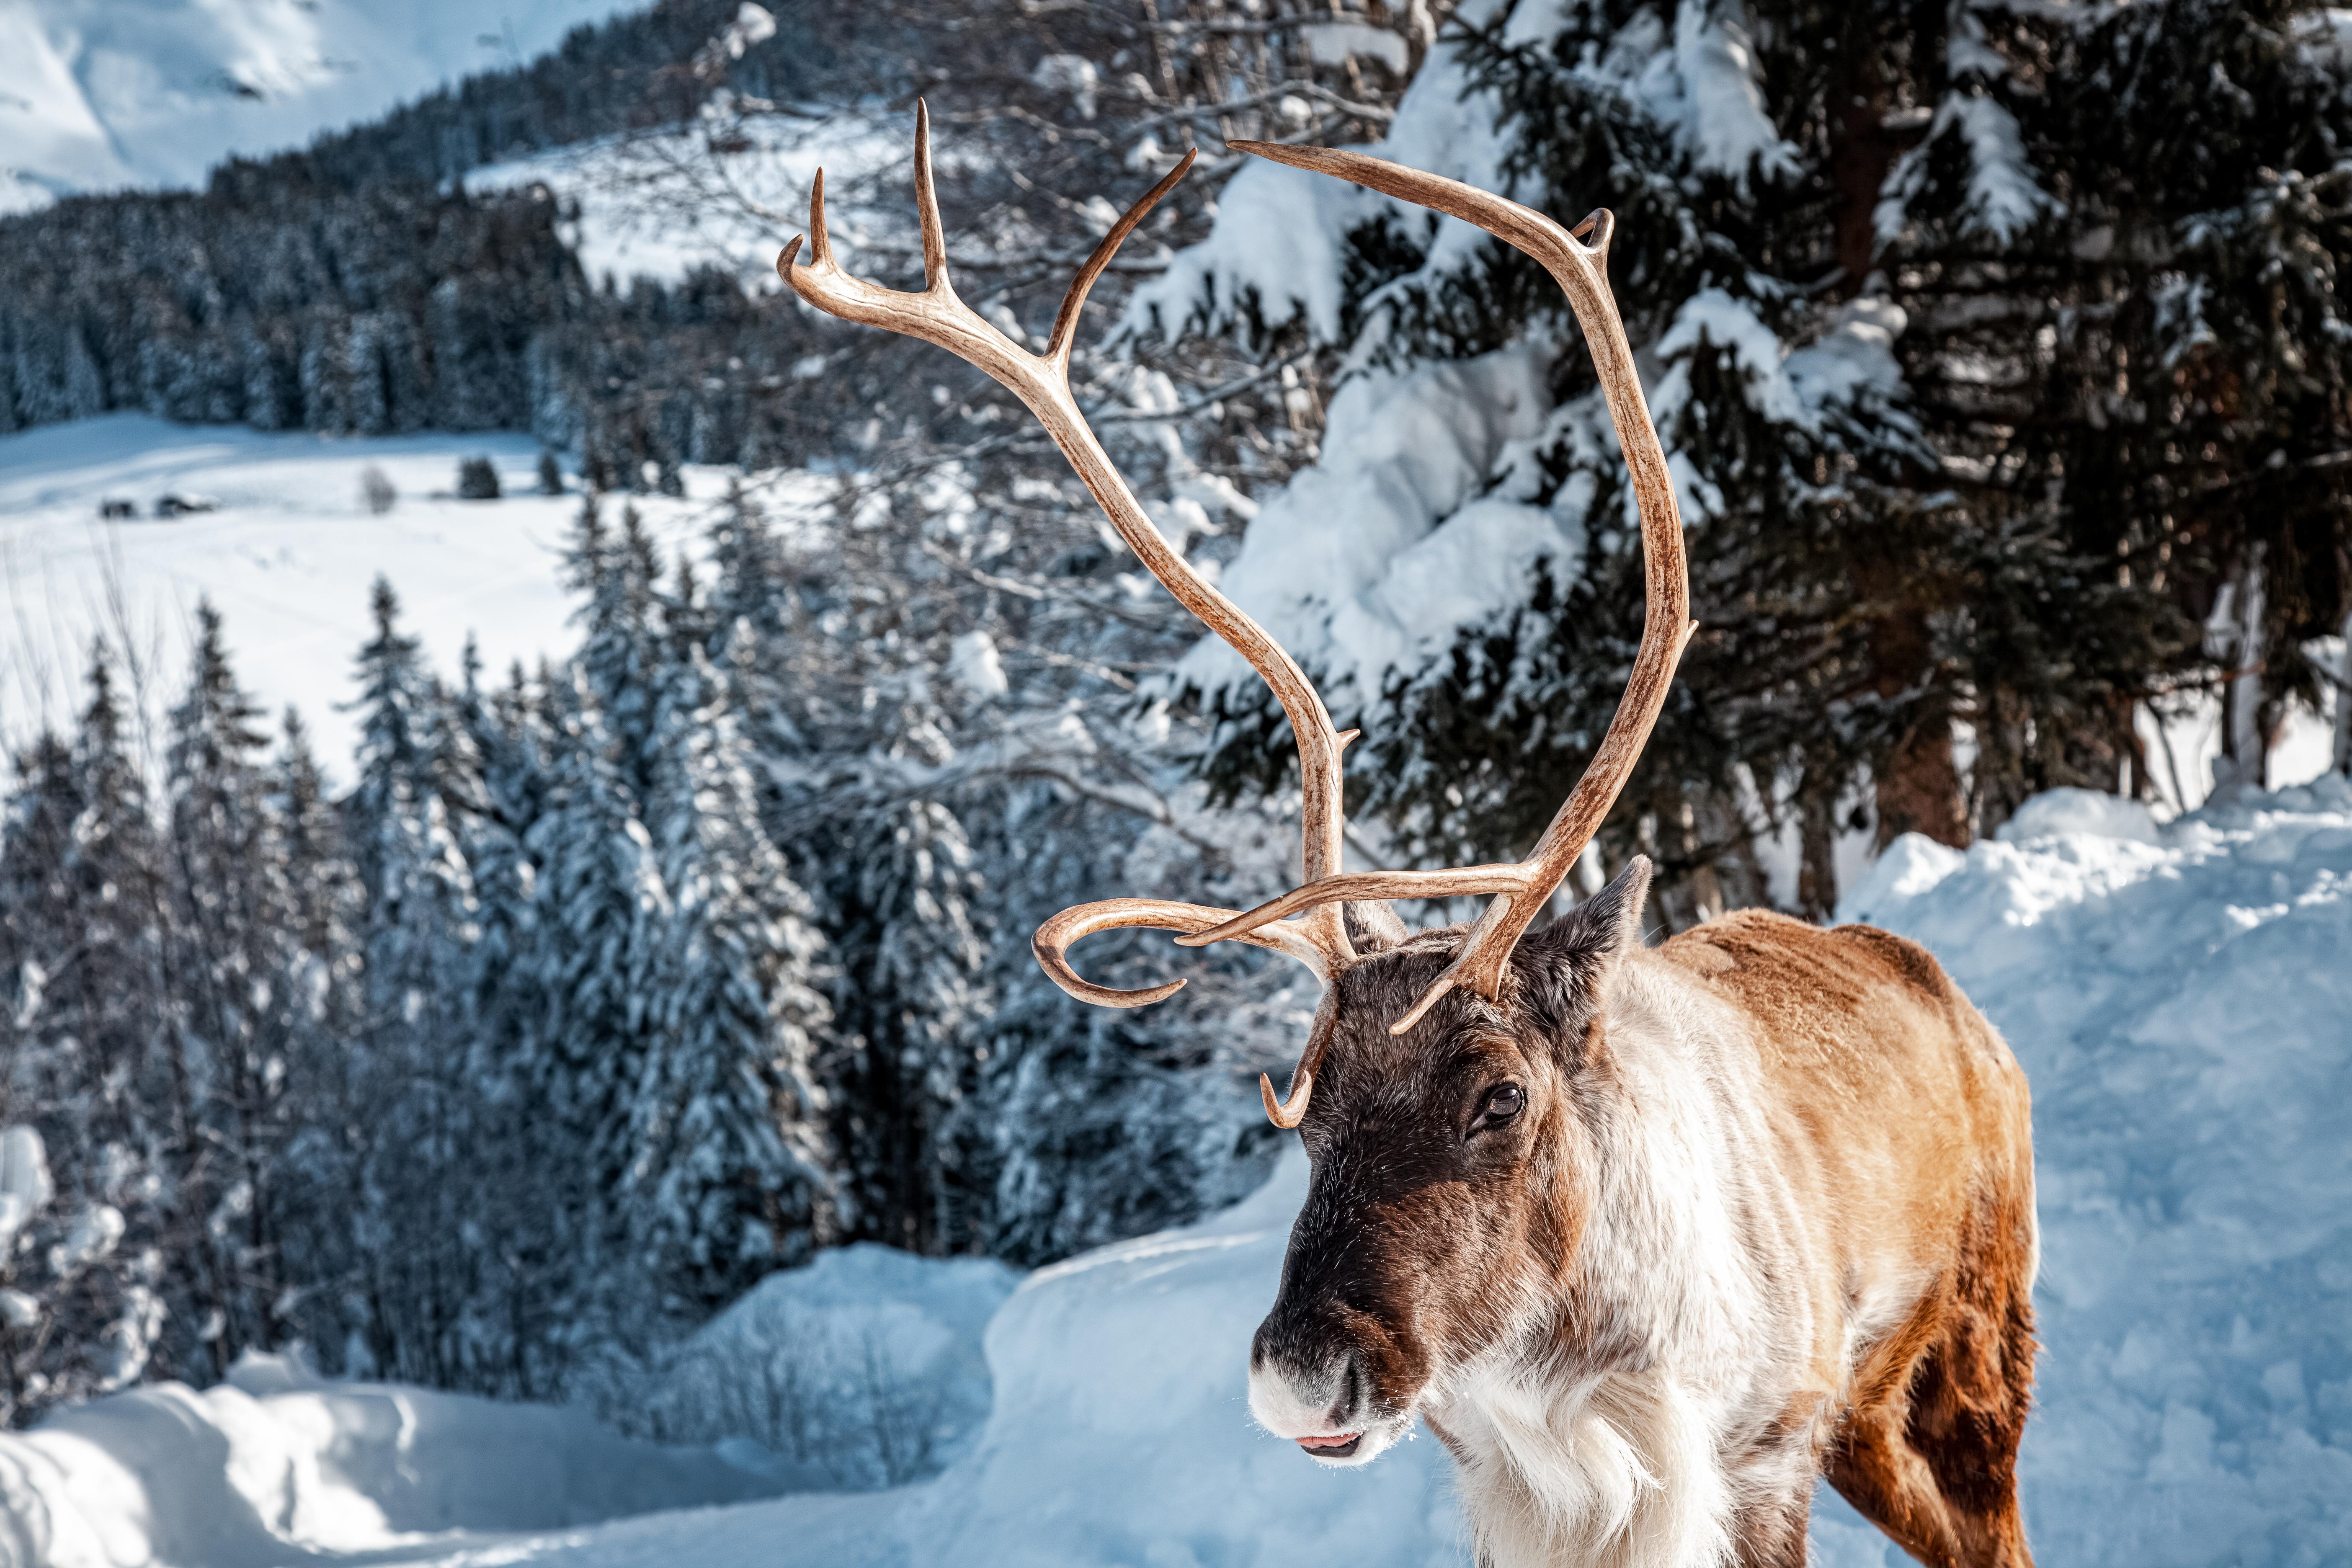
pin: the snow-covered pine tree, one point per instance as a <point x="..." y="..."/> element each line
<point x="87" y="1065"/>
<point x="229" y="924"/>
<point x="599" y="924"/>
<point x="319" y="1006"/>
<point x="1857" y="598"/>
<point x="2123" y="233"/>
<point x="414" y="1235"/>
<point x="526" y="1162"/>
<point x="727" y="1175"/>
<point x="910" y="1013"/>
<point x="621" y="651"/>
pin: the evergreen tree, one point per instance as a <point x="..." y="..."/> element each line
<point x="600" y="919"/>
<point x="912" y="1011"/>
<point x="727" y="1165"/>
<point x="229" y="919"/>
<point x="418" y="924"/>
<point x="88" y="1069"/>
<point x="1903" y="311"/>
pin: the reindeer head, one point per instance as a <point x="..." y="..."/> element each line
<point x="1448" y="1155"/>
<point x="1452" y="1172"/>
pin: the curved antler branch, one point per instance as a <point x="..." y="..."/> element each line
<point x="1041" y="382"/>
<point x="1057" y="936"/>
<point x="1579" y="265"/>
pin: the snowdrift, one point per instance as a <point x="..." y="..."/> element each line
<point x="2182" y="995"/>
<point x="2181" y="998"/>
<point x="272" y="1468"/>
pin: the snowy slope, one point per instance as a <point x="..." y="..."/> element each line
<point x="272" y="1468"/>
<point x="98" y="97"/>
<point x="2182" y="998"/>
<point x="288" y="559"/>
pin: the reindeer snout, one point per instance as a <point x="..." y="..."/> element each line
<point x="1311" y="1383"/>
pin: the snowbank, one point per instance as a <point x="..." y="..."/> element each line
<point x="2181" y="998"/>
<point x="274" y="1468"/>
<point x="864" y="1369"/>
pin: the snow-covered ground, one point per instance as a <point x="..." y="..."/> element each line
<point x="96" y="97"/>
<point x="2180" y="994"/>
<point x="288" y="559"/>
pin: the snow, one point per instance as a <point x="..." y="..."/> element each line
<point x="97" y="97"/>
<point x="1349" y="567"/>
<point x="287" y="559"/>
<point x="1277" y="233"/>
<point x="1276" y="237"/>
<point x="1706" y="88"/>
<point x="2180" y="999"/>
<point x="864" y="1368"/>
<point x="2003" y="197"/>
<point x="275" y="1466"/>
<point x="1335" y="43"/>
<point x="2177" y="992"/>
<point x="661" y="204"/>
<point x="25" y="1185"/>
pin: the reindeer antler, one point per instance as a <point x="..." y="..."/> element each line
<point x="1041" y="382"/>
<point x="1523" y="888"/>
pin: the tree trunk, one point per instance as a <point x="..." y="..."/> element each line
<point x="1817" y="889"/>
<point x="2237" y="634"/>
<point x="2341" y="759"/>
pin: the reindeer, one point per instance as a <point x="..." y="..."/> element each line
<point x="1648" y="1238"/>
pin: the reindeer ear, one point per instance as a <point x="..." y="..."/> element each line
<point x="1560" y="968"/>
<point x="1374" y="927"/>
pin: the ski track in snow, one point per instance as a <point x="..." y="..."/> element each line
<point x="2179" y="996"/>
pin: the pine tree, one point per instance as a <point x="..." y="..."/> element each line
<point x="88" y="1067"/>
<point x="727" y="1166"/>
<point x="417" y="926"/>
<point x="1863" y="255"/>
<point x="600" y="918"/>
<point x="319" y="1017"/>
<point x="912" y="1011"/>
<point x="228" y="919"/>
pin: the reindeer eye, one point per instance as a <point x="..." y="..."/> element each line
<point x="1501" y="1105"/>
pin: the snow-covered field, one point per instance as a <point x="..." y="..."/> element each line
<point x="288" y="559"/>
<point x="2179" y="995"/>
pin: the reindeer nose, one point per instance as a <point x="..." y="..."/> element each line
<point x="1348" y="1398"/>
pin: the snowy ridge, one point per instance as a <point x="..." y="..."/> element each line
<point x="2178" y="994"/>
<point x="274" y="1467"/>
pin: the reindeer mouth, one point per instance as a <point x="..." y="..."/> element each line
<point x="1341" y="1446"/>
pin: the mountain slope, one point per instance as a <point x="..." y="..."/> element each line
<point x="101" y="98"/>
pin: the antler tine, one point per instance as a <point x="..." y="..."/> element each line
<point x="926" y="205"/>
<point x="1521" y="891"/>
<point x="1042" y="383"/>
<point x="1066" y="319"/>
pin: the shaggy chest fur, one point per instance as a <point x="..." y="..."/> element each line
<point x="1623" y="1431"/>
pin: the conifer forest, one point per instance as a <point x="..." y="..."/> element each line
<point x="2003" y="357"/>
